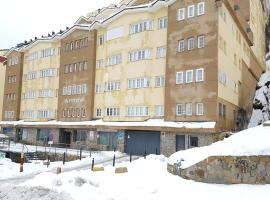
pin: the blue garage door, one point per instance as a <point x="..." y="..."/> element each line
<point x="137" y="142"/>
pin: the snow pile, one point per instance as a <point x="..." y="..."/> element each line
<point x="10" y="169"/>
<point x="261" y="104"/>
<point x="146" y="180"/>
<point x="253" y="141"/>
<point x="8" y="192"/>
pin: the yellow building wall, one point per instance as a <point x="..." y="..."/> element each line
<point x="150" y="97"/>
<point x="2" y="83"/>
<point x="41" y="103"/>
<point x="229" y="34"/>
<point x="258" y="19"/>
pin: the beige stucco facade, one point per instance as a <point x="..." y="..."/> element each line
<point x="44" y="84"/>
<point x="2" y="82"/>
<point x="150" y="68"/>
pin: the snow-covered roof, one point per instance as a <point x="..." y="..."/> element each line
<point x="250" y="142"/>
<point x="95" y="123"/>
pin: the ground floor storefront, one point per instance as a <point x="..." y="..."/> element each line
<point x="129" y="141"/>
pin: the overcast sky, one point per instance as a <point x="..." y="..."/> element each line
<point x="25" y="19"/>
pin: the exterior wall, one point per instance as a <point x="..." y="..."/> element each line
<point x="39" y="103"/>
<point x="2" y="83"/>
<point x="151" y="68"/>
<point x="227" y="170"/>
<point x="258" y="20"/>
<point x="168" y="141"/>
<point x="13" y="88"/>
<point x="202" y="92"/>
<point x="87" y="54"/>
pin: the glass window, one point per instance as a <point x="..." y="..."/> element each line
<point x="189" y="76"/>
<point x="199" y="109"/>
<point x="201" y="8"/>
<point x="180" y="109"/>
<point x="201" y="41"/>
<point x="189" y="109"/>
<point x="179" y="77"/>
<point x="181" y="14"/>
<point x="190" y="43"/>
<point x="181" y="45"/>
<point x="199" y="75"/>
<point x="191" y="12"/>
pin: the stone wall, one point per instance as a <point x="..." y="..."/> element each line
<point x="168" y="141"/>
<point x="227" y="170"/>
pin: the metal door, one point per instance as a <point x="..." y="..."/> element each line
<point x="180" y="142"/>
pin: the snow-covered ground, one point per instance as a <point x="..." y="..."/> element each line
<point x="146" y="180"/>
<point x="253" y="141"/>
<point x="9" y="169"/>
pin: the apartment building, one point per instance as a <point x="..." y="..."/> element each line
<point x="2" y="81"/>
<point x="149" y="76"/>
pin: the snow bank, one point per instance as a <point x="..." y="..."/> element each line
<point x="150" y="122"/>
<point x="250" y="142"/>
<point x="146" y="180"/>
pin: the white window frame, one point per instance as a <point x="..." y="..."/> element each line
<point x="98" y="88"/>
<point x="187" y="72"/>
<point x="181" y="14"/>
<point x="159" y="81"/>
<point x="189" y="109"/>
<point x="199" y="12"/>
<point x="197" y="77"/>
<point x="197" y="109"/>
<point x="201" y="38"/>
<point x="101" y="40"/>
<point x="182" y="109"/>
<point x="191" y="43"/>
<point x="161" y="52"/>
<point x="181" y="80"/>
<point x="98" y="112"/>
<point x="190" y="15"/>
<point x="159" y="111"/>
<point x="181" y="45"/>
<point x="162" y="22"/>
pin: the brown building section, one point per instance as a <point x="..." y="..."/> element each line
<point x="13" y="86"/>
<point x="196" y="92"/>
<point x="77" y="76"/>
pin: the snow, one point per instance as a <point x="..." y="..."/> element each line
<point x="150" y="122"/>
<point x="262" y="97"/>
<point x="250" y="142"/>
<point x="10" y="169"/>
<point x="147" y="179"/>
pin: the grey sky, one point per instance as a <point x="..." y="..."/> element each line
<point x="25" y="19"/>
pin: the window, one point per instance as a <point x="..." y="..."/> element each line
<point x="181" y="14"/>
<point x="114" y="60"/>
<point x="33" y="56"/>
<point x="160" y="81"/>
<point x="180" y="109"/>
<point x="199" y="109"/>
<point x="137" y="111"/>
<point x="101" y="40"/>
<point x="159" y="111"/>
<point x="113" y="112"/>
<point x="191" y="12"/>
<point x="112" y="86"/>
<point x="28" y="114"/>
<point x="222" y="110"/>
<point x="29" y="95"/>
<point x="189" y="76"/>
<point x="222" y="78"/>
<point x="98" y="112"/>
<point x="161" y="52"/>
<point x="193" y="141"/>
<point x="66" y="69"/>
<point x="141" y="54"/>
<point x="9" y="114"/>
<point x="47" y="52"/>
<point x="100" y="64"/>
<point x="13" y="61"/>
<point x="141" y="26"/>
<point x="181" y="45"/>
<point x="179" y="77"/>
<point x="46" y="93"/>
<point x="189" y="109"/>
<point x="201" y="41"/>
<point x="199" y="75"/>
<point x="162" y="22"/>
<point x="44" y="114"/>
<point x="75" y="89"/>
<point x="47" y="72"/>
<point x="235" y="87"/>
<point x="32" y="75"/>
<point x="98" y="88"/>
<point x="201" y="8"/>
<point x="190" y="43"/>
<point x="138" y="83"/>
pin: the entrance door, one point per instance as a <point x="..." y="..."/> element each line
<point x="65" y="138"/>
<point x="180" y="142"/>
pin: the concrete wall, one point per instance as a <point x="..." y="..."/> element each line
<point x="228" y="170"/>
